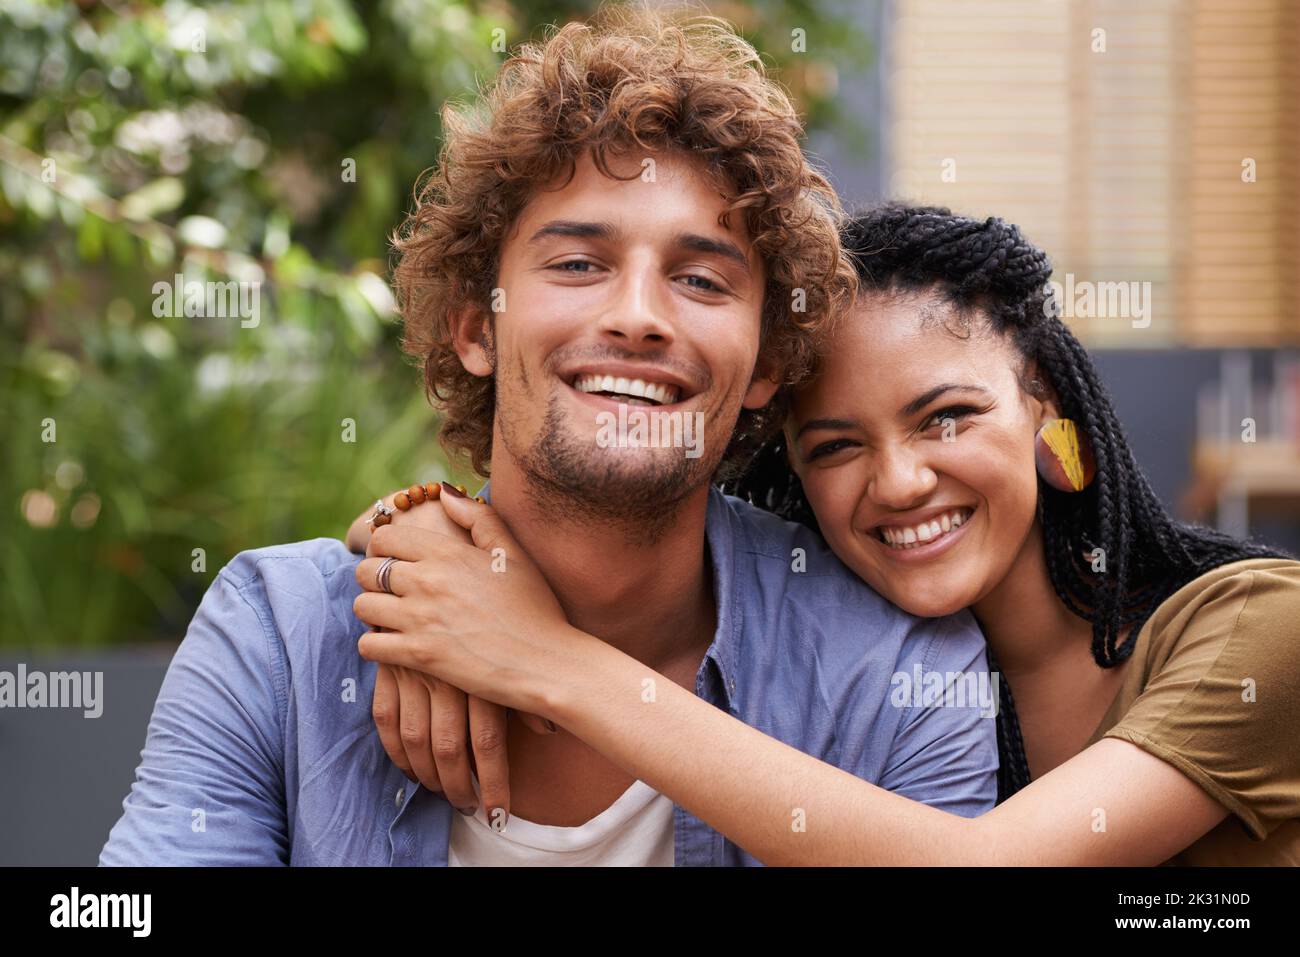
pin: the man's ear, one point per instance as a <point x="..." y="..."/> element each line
<point x="471" y="337"/>
<point x="788" y="449"/>
<point x="763" y="385"/>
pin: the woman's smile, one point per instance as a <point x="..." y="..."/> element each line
<point x="925" y="535"/>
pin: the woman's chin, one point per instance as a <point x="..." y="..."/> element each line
<point x="935" y="598"/>
<point x="926" y="606"/>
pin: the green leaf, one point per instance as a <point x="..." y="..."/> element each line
<point x="162" y="195"/>
<point x="90" y="238"/>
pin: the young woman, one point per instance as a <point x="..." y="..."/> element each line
<point x="956" y="449"/>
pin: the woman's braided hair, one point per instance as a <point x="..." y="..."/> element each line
<point x="987" y="265"/>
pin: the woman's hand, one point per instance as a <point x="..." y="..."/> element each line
<point x="481" y="617"/>
<point x="430" y="729"/>
<point x="432" y="518"/>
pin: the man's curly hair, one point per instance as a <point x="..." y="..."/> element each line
<point x="632" y="78"/>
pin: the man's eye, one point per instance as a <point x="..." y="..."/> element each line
<point x="700" y="282"/>
<point x="574" y="266"/>
<point x="826" y="448"/>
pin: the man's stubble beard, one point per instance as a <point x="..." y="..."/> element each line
<point x="572" y="479"/>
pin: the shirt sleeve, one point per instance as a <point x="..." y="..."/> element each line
<point x="210" y="786"/>
<point x="1222" y="702"/>
<point x="945" y="750"/>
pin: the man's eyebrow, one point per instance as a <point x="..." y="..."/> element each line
<point x="717" y="247"/>
<point x="925" y="398"/>
<point x="574" y="227"/>
<point x="599" y="230"/>
<point x="828" y="424"/>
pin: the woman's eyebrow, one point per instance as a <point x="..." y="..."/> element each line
<point x="925" y="398"/>
<point x="916" y="405"/>
<point x="812" y="424"/>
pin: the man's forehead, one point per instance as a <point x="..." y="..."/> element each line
<point x="646" y="185"/>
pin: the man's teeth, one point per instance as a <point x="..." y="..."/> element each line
<point x="899" y="536"/>
<point x="657" y="393"/>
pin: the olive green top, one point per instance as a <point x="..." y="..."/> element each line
<point x="1213" y="688"/>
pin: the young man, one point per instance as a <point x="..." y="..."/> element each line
<point x="627" y="224"/>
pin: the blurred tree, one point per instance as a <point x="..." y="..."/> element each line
<point x="267" y="141"/>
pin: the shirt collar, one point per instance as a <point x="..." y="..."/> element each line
<point x="720" y="537"/>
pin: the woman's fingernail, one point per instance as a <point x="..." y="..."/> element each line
<point x="468" y="811"/>
<point x="453" y="490"/>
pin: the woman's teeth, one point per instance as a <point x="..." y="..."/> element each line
<point x="632" y="391"/>
<point x="913" y="536"/>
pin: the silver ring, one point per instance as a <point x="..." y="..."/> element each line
<point x="380" y="509"/>
<point x="385" y="569"/>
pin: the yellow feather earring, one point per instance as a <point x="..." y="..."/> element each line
<point x="1063" y="456"/>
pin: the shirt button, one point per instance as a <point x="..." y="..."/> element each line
<point x="397" y="800"/>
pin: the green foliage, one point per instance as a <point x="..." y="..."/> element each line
<point x="138" y="142"/>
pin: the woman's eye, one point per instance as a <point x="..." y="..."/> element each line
<point x="826" y="448"/>
<point x="955" y="413"/>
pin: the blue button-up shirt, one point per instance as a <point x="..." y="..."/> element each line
<point x="262" y="750"/>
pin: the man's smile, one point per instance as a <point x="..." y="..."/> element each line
<point x="624" y="383"/>
<point x="631" y="391"/>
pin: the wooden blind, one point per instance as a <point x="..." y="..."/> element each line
<point x="1241" y="241"/>
<point x="1124" y="163"/>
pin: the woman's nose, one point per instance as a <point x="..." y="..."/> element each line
<point x="900" y="480"/>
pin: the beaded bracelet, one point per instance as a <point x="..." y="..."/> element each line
<point x="414" y="495"/>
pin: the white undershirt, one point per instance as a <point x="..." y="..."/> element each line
<point x="634" y="831"/>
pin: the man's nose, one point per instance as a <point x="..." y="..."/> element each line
<point x="640" y="310"/>
<point x="901" y="479"/>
